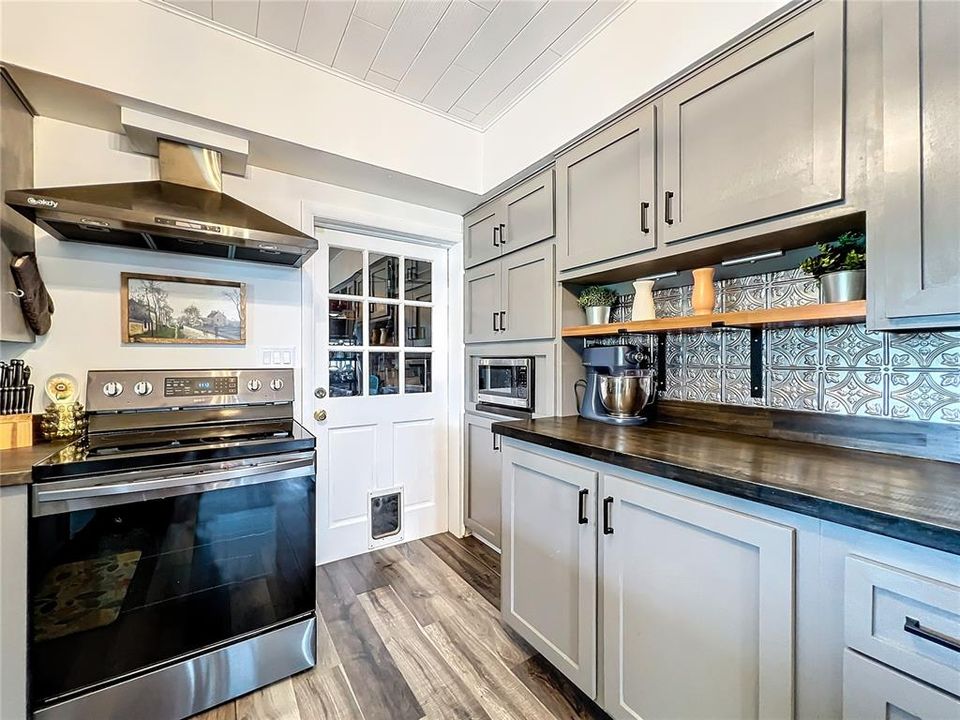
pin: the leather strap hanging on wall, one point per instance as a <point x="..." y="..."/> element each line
<point x="36" y="303"/>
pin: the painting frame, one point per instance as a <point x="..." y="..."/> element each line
<point x="129" y="337"/>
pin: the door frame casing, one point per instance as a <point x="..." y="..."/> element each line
<point x="392" y="227"/>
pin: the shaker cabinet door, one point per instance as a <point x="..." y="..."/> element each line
<point x="697" y="608"/>
<point x="872" y="691"/>
<point x="760" y="133"/>
<point x="481" y="235"/>
<point x="913" y="242"/>
<point x="549" y="574"/>
<point x="527" y="213"/>
<point x="483" y="478"/>
<point x="527" y="287"/>
<point x="606" y="187"/>
<point x="481" y="303"/>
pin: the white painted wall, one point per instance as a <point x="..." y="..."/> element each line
<point x="84" y="280"/>
<point x="138" y="50"/>
<point x="645" y="45"/>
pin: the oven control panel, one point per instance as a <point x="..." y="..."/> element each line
<point x="118" y="390"/>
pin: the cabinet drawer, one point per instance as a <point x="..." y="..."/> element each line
<point x="907" y="621"/>
<point x="872" y="691"/>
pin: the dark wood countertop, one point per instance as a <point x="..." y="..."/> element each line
<point x="16" y="464"/>
<point x="905" y="498"/>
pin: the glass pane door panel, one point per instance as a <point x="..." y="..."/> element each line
<point x="384" y="276"/>
<point x="417" y="326"/>
<point x="418" y="276"/>
<point x="346" y="271"/>
<point x="418" y="368"/>
<point x="346" y="322"/>
<point x="346" y="374"/>
<point x="384" y="373"/>
<point x="383" y="324"/>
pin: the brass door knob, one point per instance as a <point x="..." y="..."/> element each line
<point x="320" y="415"/>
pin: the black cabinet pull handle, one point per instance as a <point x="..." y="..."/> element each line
<point x="495" y="328"/>
<point x="503" y="321"/>
<point x="503" y="237"/>
<point x="607" y="507"/>
<point x="582" y="507"/>
<point x="495" y="445"/>
<point x="913" y="626"/>
<point x="496" y="236"/>
<point x="644" y="225"/>
<point x="668" y="207"/>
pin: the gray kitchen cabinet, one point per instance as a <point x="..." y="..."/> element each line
<point x="606" y="193"/>
<point x="511" y="298"/>
<point x="16" y="172"/>
<point x="701" y="624"/>
<point x="14" y="512"/>
<point x="520" y="217"/>
<point x="872" y="691"/>
<point x="913" y="243"/>
<point x="759" y="134"/>
<point x="482" y="478"/>
<point x="549" y="560"/>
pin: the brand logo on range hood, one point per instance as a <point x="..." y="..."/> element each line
<point x="41" y="202"/>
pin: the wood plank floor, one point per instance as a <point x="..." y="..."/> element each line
<point x="413" y="631"/>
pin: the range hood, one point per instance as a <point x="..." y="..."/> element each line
<point x="185" y="212"/>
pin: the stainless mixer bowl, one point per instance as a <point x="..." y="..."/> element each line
<point x="626" y="395"/>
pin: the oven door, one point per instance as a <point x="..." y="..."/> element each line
<point x="134" y="570"/>
<point x="505" y="382"/>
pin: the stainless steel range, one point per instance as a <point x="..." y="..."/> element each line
<point x="172" y="551"/>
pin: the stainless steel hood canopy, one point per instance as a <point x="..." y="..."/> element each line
<point x="184" y="212"/>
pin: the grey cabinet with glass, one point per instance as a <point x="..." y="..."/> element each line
<point x="518" y="218"/>
<point x="511" y="298"/>
<point x="482" y="478"/>
<point x="913" y="243"/>
<point x="606" y="193"/>
<point x="549" y="560"/>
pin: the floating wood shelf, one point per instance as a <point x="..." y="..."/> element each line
<point x="825" y="314"/>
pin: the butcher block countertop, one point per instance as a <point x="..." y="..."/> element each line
<point x="911" y="499"/>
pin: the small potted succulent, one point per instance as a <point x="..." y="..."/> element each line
<point x="840" y="267"/>
<point x="597" y="301"/>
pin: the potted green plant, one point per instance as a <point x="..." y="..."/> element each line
<point x="597" y="301"/>
<point x="840" y="267"/>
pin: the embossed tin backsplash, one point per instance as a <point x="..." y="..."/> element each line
<point x="840" y="369"/>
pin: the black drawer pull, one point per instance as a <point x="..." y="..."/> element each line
<point x="668" y="207"/>
<point x="913" y="626"/>
<point x="644" y="225"/>
<point x="607" y="507"/>
<point x="503" y="321"/>
<point x="582" y="507"/>
<point x="503" y="237"/>
<point x="495" y="445"/>
<point x="496" y="236"/>
<point x="495" y="316"/>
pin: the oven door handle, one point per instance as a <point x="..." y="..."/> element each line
<point x="58" y="497"/>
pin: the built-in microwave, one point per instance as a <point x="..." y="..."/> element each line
<point x="505" y="382"/>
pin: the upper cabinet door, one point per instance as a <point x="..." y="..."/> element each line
<point x="698" y="618"/>
<point x="527" y="300"/>
<point x="481" y="235"/>
<point x="481" y="303"/>
<point x="913" y="241"/>
<point x="606" y="188"/>
<point x="527" y="213"/>
<point x="760" y="133"/>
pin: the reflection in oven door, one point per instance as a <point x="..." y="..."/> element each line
<point x="119" y="588"/>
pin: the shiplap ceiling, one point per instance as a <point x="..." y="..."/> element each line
<point x="467" y="58"/>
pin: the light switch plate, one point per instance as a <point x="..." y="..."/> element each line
<point x="282" y="356"/>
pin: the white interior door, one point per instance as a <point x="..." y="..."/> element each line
<point x="380" y="373"/>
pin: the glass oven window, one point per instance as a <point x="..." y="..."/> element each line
<point x="117" y="589"/>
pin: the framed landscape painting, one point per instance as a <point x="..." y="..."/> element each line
<point x="180" y="310"/>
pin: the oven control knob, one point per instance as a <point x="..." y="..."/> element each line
<point x="276" y="384"/>
<point x="254" y="385"/>
<point x="143" y="388"/>
<point x="112" y="389"/>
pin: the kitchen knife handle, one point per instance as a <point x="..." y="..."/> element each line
<point x="29" y="404"/>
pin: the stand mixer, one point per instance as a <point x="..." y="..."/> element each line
<point x="619" y="387"/>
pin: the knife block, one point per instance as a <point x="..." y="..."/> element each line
<point x="16" y="431"/>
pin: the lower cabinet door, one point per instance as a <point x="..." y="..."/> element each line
<point x="483" y="476"/>
<point x="872" y="691"/>
<point x="549" y="561"/>
<point x="698" y="615"/>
